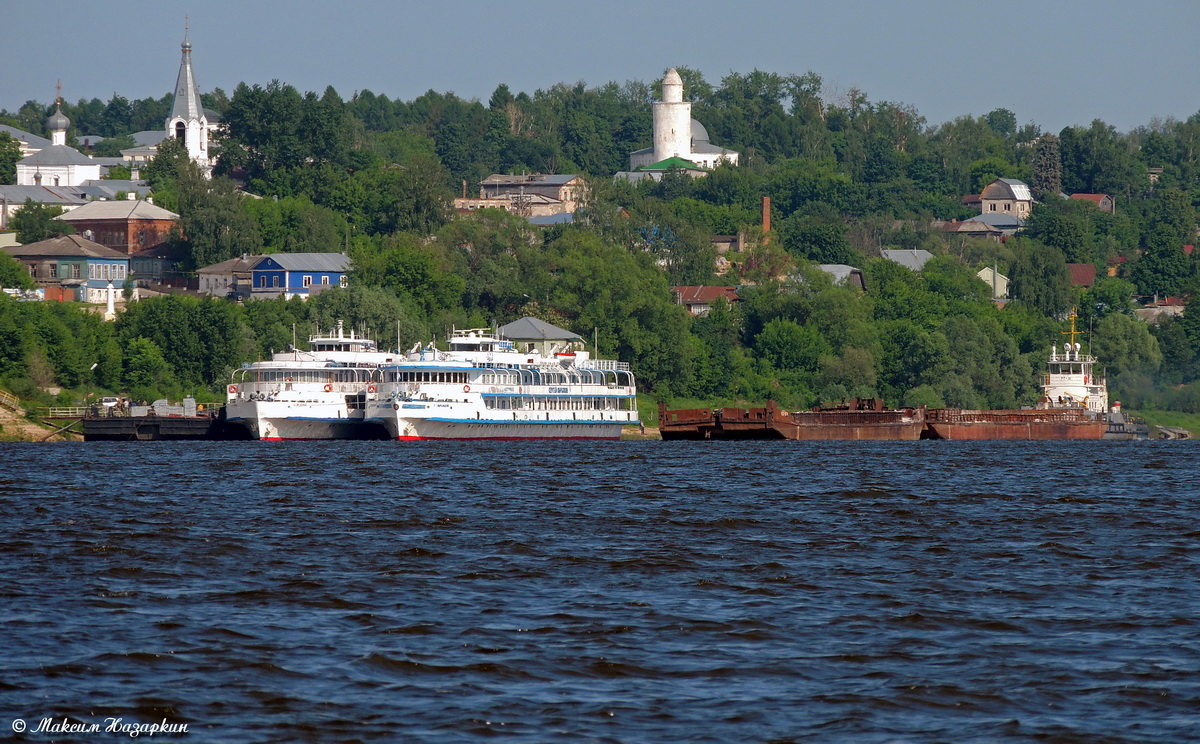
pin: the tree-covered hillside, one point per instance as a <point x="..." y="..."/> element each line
<point x="847" y="178"/>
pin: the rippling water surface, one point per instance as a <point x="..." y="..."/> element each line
<point x="616" y="592"/>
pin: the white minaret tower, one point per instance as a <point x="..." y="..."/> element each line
<point x="187" y="121"/>
<point x="672" y="120"/>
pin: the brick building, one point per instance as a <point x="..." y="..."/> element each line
<point x="125" y="226"/>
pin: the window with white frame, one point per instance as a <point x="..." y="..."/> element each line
<point x="343" y="282"/>
<point x="307" y="280"/>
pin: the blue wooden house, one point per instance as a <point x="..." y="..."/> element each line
<point x="289" y="275"/>
<point x="72" y="268"/>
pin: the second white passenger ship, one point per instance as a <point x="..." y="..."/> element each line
<point x="483" y="387"/>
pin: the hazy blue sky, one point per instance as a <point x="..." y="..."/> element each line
<point x="1052" y="62"/>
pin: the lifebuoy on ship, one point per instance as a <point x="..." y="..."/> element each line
<point x="233" y="388"/>
<point x="466" y="388"/>
<point x="370" y="388"/>
<point x="328" y="387"/>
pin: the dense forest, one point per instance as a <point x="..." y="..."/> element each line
<point x="847" y="178"/>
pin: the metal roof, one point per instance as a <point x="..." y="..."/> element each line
<point x="17" y="195"/>
<point x="32" y="140"/>
<point x="58" y="155"/>
<point x="148" y="137"/>
<point x="67" y="245"/>
<point x="532" y="329"/>
<point x="308" y="261"/>
<point x="229" y="266"/>
<point x="109" y="188"/>
<point x="909" y="259"/>
<point x="534" y="178"/>
<point x="186" y="105"/>
<point x="1002" y="220"/>
<point x="562" y="218"/>
<point x="121" y="209"/>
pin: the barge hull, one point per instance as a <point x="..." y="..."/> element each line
<point x="1044" y="424"/>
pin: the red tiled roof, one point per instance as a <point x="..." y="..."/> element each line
<point x="1097" y="198"/>
<point x="1081" y="275"/>
<point x="705" y="295"/>
<point x="972" y="199"/>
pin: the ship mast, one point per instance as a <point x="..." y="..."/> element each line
<point x="1072" y="333"/>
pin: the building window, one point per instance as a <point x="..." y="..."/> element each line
<point x="342" y="281"/>
<point x="991" y="207"/>
<point x="325" y="279"/>
<point x="76" y="271"/>
<point x="262" y="281"/>
<point x="56" y="180"/>
<point x="180" y="130"/>
<point x="275" y="281"/>
<point x="32" y="270"/>
<point x="1007" y="207"/>
<point x="307" y="280"/>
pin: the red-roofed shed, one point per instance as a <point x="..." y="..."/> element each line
<point x="1081" y="275"/>
<point x="1104" y="202"/>
<point x="698" y="299"/>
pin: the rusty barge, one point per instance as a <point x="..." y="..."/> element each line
<point x="1073" y="405"/>
<point x="853" y="420"/>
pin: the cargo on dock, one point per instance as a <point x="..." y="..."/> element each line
<point x="161" y="421"/>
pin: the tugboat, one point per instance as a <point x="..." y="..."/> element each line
<point x="1073" y="405"/>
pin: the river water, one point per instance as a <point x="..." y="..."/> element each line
<point x="611" y="592"/>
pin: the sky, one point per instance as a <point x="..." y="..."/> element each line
<point x="1054" y="63"/>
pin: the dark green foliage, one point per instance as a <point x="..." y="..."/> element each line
<point x="200" y="339"/>
<point x="10" y="153"/>
<point x="13" y="273"/>
<point x="1046" y="181"/>
<point x="1038" y="278"/>
<point x="35" y="222"/>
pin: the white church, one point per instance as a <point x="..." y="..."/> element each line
<point x="677" y="134"/>
<point x="59" y="165"/>
<point x="189" y="121"/>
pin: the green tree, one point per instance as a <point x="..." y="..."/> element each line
<point x="1178" y="357"/>
<point x="13" y="273"/>
<point x="10" y="153"/>
<point x="1106" y="296"/>
<point x="35" y="222"/>
<point x="1046" y="181"/>
<point x="816" y="239"/>
<point x="1163" y="268"/>
<point x="147" y="373"/>
<point x="787" y="345"/>
<point x="1038" y="278"/>
<point x="1124" y="344"/>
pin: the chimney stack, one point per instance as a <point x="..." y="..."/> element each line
<point x="766" y="219"/>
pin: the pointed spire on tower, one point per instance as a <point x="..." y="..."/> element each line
<point x="187" y="95"/>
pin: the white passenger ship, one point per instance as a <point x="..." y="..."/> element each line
<point x="316" y="394"/>
<point x="485" y="388"/>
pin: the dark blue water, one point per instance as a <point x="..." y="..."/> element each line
<point x="616" y="592"/>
